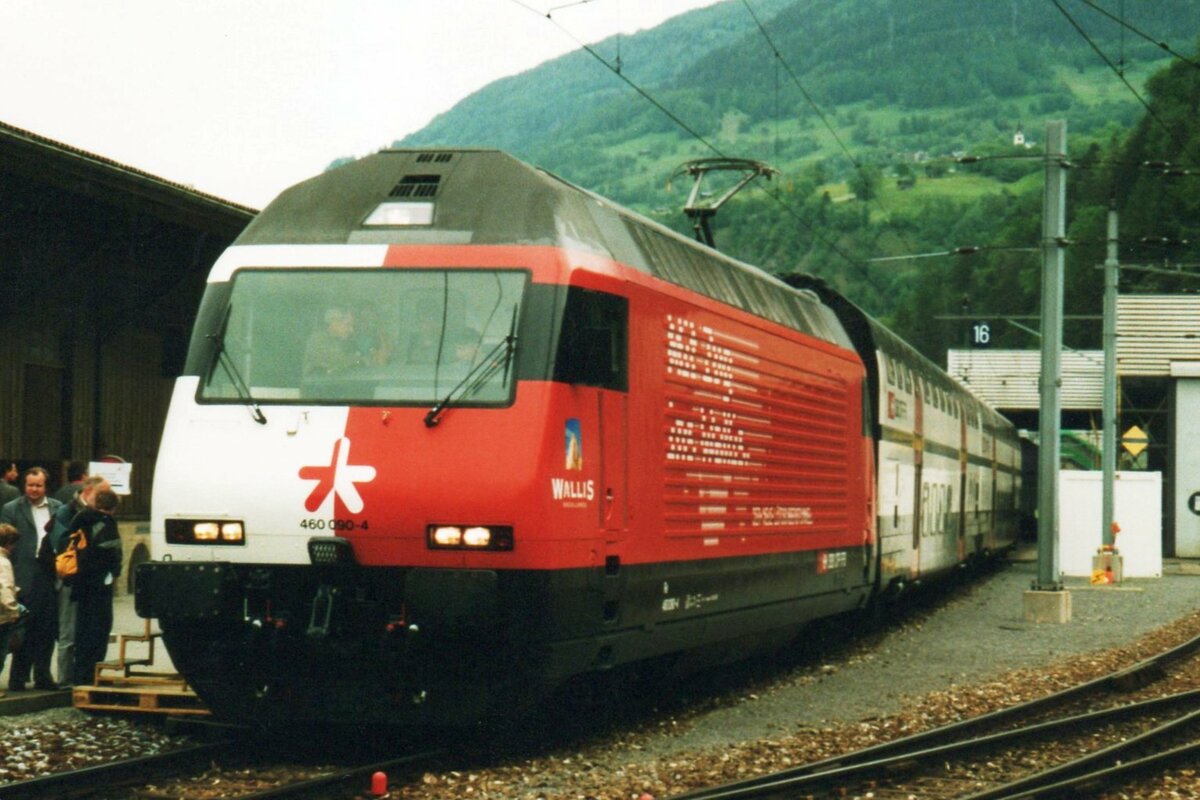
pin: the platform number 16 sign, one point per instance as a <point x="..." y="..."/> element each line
<point x="981" y="334"/>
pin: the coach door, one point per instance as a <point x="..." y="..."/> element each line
<point x="963" y="466"/>
<point x="919" y="488"/>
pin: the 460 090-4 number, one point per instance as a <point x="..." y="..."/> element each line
<point x="317" y="524"/>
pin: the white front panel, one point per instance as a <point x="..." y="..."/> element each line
<point x="217" y="462"/>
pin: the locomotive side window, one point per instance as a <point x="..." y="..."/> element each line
<point x="592" y="347"/>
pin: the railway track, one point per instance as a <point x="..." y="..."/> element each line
<point x="988" y="757"/>
<point x="994" y="748"/>
<point x="87" y="780"/>
<point x="341" y="777"/>
<point x="132" y="776"/>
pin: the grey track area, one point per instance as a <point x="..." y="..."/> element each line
<point x="972" y="638"/>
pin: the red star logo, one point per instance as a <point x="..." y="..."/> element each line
<point x="339" y="478"/>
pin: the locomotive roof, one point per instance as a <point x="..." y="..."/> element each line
<point x="490" y="197"/>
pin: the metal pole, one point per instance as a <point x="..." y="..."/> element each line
<point x="1108" y="446"/>
<point x="1053" y="229"/>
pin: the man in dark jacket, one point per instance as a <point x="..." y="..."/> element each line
<point x="8" y="474"/>
<point x="31" y="516"/>
<point x="92" y="590"/>
<point x="76" y="472"/>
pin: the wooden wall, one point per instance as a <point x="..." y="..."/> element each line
<point x="101" y="273"/>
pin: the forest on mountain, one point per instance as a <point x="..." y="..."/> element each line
<point x="894" y="126"/>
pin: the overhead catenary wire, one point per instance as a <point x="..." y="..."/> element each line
<point x="625" y="78"/>
<point x="833" y="246"/>
<point x="1125" y="25"/>
<point x="1120" y="75"/>
<point x="1165" y="168"/>
<point x="970" y="250"/>
<point x="803" y="92"/>
<point x="781" y="61"/>
<point x="552" y="9"/>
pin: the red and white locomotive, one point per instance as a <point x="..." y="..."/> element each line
<point x="452" y="431"/>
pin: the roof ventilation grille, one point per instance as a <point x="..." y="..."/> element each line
<point x="416" y="186"/>
<point x="437" y="158"/>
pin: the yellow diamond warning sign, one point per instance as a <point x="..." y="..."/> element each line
<point x="1134" y="440"/>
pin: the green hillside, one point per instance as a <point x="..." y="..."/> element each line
<point x="861" y="110"/>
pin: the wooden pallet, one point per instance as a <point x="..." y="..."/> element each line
<point x="119" y="686"/>
<point x="152" y="698"/>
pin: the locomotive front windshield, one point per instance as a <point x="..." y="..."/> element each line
<point x="367" y="336"/>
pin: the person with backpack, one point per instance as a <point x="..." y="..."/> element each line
<point x="60" y="529"/>
<point x="98" y="558"/>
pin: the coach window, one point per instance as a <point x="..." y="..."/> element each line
<point x="593" y="344"/>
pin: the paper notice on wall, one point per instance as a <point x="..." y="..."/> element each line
<point x="117" y="474"/>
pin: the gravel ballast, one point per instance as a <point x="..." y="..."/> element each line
<point x="976" y="636"/>
<point x="958" y="656"/>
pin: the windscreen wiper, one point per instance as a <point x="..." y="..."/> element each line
<point x="499" y="357"/>
<point x="235" y="377"/>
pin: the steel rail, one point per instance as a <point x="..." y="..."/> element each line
<point x="839" y="776"/>
<point x="344" y="775"/>
<point x="1041" y="782"/>
<point x="1120" y="771"/>
<point x="1127" y="678"/>
<point x="86" y="779"/>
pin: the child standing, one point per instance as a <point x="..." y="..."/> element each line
<point x="10" y="609"/>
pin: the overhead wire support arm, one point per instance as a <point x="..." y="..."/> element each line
<point x="965" y="250"/>
<point x="700" y="209"/>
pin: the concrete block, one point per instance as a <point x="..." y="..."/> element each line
<point x="1108" y="564"/>
<point x="1042" y="606"/>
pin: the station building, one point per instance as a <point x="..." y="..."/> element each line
<point x="101" y="271"/>
<point x="1158" y="400"/>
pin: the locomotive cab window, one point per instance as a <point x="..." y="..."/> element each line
<point x="592" y="346"/>
<point x="403" y="337"/>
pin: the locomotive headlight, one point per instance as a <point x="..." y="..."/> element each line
<point x="469" y="537"/>
<point x="205" y="531"/>
<point x="477" y="536"/>
<point x="446" y="536"/>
